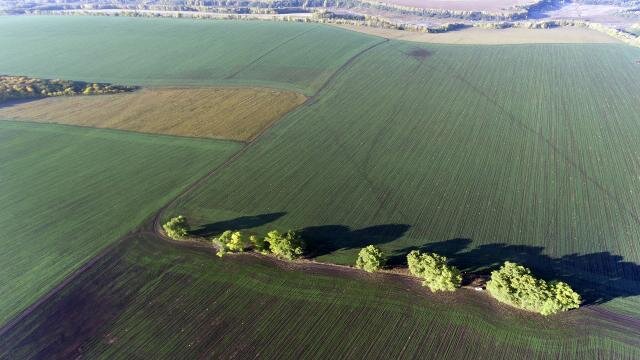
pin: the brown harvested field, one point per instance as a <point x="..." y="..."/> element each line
<point x="465" y="5"/>
<point x="219" y="113"/>
<point x="560" y="35"/>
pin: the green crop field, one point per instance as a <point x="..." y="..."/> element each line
<point x="149" y="299"/>
<point x="483" y="153"/>
<point x="528" y="153"/>
<point x="67" y="192"/>
<point x="176" y="52"/>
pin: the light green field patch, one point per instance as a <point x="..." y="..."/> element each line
<point x="68" y="192"/>
<point x="147" y="51"/>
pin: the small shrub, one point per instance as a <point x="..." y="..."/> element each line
<point x="176" y="228"/>
<point x="513" y="284"/>
<point x="286" y="246"/>
<point x="370" y="259"/>
<point x="230" y="241"/>
<point x="433" y="269"/>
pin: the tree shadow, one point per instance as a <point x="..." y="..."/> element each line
<point x="598" y="277"/>
<point x="452" y="246"/>
<point x="240" y="223"/>
<point x="321" y="240"/>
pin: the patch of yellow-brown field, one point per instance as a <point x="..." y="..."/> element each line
<point x="559" y="35"/>
<point x="219" y="113"/>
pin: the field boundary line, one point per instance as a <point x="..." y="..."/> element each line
<point x="314" y="98"/>
<point x="64" y="283"/>
<point x="87" y="127"/>
<point x="256" y="60"/>
<point x="310" y="100"/>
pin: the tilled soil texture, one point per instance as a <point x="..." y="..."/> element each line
<point x="219" y="113"/>
<point x="151" y="298"/>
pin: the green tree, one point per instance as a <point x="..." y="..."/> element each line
<point x="514" y="284"/>
<point x="259" y="244"/>
<point x="564" y="297"/>
<point x="370" y="259"/>
<point x="230" y="241"/>
<point x="176" y="228"/>
<point x="286" y="246"/>
<point x="433" y="269"/>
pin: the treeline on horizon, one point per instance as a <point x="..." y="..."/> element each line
<point x="23" y="87"/>
<point x="274" y="7"/>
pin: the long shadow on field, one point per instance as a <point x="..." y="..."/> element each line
<point x="598" y="277"/>
<point x="321" y="240"/>
<point x="240" y="223"/>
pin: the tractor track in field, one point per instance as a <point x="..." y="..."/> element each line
<point x="331" y="79"/>
<point x="562" y="155"/>
<point x="265" y="54"/>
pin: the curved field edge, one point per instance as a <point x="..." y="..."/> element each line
<point x="68" y="192"/>
<point x="149" y="298"/>
<point x="482" y="153"/>
<point x="289" y="56"/>
<point x="236" y="113"/>
<point x="479" y="36"/>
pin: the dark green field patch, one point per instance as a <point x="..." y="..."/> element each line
<point x="149" y="299"/>
<point x="68" y="192"/>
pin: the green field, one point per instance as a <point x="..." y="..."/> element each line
<point x="148" y="299"/>
<point x="527" y="153"/>
<point x="176" y="52"/>
<point x="68" y="192"/>
<point x="483" y="153"/>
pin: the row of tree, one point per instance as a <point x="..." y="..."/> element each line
<point x="286" y="246"/>
<point x="22" y="87"/>
<point x="512" y="284"/>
